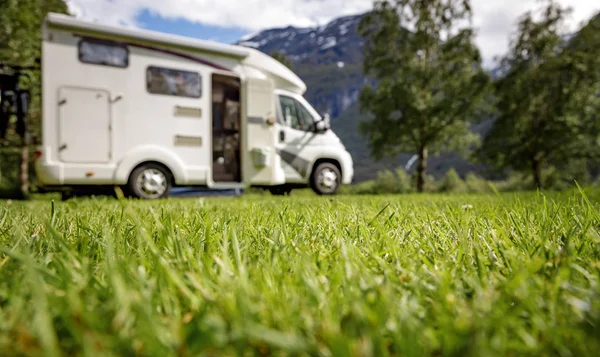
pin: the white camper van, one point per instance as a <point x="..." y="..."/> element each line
<point x="149" y="111"/>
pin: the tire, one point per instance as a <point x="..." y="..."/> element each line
<point x="150" y="182"/>
<point x="326" y="179"/>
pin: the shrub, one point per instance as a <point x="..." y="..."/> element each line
<point x="452" y="183"/>
<point x="476" y="184"/>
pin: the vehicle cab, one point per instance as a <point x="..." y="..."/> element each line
<point x="311" y="153"/>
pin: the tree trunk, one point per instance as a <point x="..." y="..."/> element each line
<point x="536" y="167"/>
<point x="24" y="172"/>
<point x="422" y="169"/>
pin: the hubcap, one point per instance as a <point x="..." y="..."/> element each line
<point x="327" y="179"/>
<point x="152" y="183"/>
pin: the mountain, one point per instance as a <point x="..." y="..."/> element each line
<point x="329" y="59"/>
<point x="335" y="42"/>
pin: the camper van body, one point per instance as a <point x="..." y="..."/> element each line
<point x="149" y="111"/>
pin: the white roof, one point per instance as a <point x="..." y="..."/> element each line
<point x="284" y="77"/>
<point x="147" y="35"/>
<point x="249" y="56"/>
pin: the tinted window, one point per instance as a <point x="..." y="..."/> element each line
<point x="173" y="82"/>
<point x="103" y="53"/>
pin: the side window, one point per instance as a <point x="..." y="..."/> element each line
<point x="289" y="111"/>
<point x="103" y="53"/>
<point x="295" y="114"/>
<point x="173" y="82"/>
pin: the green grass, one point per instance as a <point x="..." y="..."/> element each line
<point x="470" y="275"/>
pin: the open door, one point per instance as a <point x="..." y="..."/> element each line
<point x="226" y="129"/>
<point x="262" y="164"/>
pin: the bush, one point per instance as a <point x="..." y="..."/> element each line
<point x="385" y="182"/>
<point x="559" y="179"/>
<point x="403" y="183"/>
<point x="515" y="182"/>
<point x="452" y="183"/>
<point x="476" y="184"/>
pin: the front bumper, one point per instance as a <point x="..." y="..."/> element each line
<point x="347" y="168"/>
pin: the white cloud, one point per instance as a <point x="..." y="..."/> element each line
<point x="495" y="19"/>
<point x="247" y="14"/>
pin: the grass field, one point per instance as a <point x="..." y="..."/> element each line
<point x="507" y="275"/>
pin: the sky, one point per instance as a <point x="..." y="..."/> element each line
<point x="229" y="20"/>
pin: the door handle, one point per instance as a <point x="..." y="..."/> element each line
<point x="117" y="98"/>
<point x="282" y="136"/>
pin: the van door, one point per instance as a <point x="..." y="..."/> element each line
<point x="262" y="164"/>
<point x="296" y="137"/>
<point x="84" y="125"/>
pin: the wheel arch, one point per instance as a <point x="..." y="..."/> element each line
<point x="329" y="160"/>
<point x="153" y="162"/>
<point x="154" y="155"/>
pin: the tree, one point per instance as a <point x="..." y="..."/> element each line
<point x="281" y="57"/>
<point x="20" y="44"/>
<point x="430" y="81"/>
<point x="20" y="38"/>
<point x="547" y="98"/>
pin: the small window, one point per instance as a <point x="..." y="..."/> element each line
<point x="295" y="114"/>
<point x="103" y="53"/>
<point x="173" y="82"/>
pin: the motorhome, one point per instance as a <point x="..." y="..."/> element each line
<point x="149" y="111"/>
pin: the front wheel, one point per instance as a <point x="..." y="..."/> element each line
<point x="326" y="179"/>
<point x="150" y="181"/>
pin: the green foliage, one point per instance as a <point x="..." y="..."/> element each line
<point x="476" y="184"/>
<point x="508" y="275"/>
<point x="281" y="57"/>
<point x="565" y="176"/>
<point x="386" y="182"/>
<point x="547" y="98"/>
<point x="401" y="183"/>
<point x="390" y="182"/>
<point x="430" y="84"/>
<point x="452" y="183"/>
<point x="20" y="44"/>
<point x="9" y="178"/>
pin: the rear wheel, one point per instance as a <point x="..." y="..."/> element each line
<point x="150" y="181"/>
<point x="326" y="179"/>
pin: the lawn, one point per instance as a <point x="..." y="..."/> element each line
<point x="431" y="275"/>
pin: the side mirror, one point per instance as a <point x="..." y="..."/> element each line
<point x="320" y="127"/>
<point x="323" y="125"/>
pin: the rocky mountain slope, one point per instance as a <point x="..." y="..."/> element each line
<point x="329" y="44"/>
<point x="329" y="60"/>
